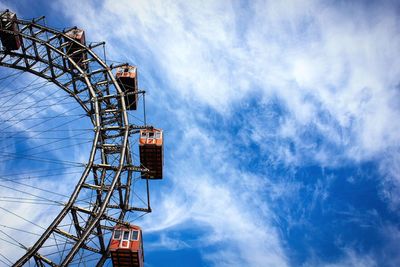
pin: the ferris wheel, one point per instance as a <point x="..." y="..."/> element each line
<point x="121" y="153"/>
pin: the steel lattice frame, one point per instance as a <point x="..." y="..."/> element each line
<point x="108" y="173"/>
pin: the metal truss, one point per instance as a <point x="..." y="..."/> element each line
<point x="82" y="227"/>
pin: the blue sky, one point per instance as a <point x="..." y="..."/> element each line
<point x="281" y="123"/>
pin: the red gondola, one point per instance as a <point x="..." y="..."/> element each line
<point x="74" y="50"/>
<point x="127" y="80"/>
<point x="126" y="246"/>
<point x="151" y="153"/>
<point x="10" y="40"/>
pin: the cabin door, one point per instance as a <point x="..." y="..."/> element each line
<point x="125" y="240"/>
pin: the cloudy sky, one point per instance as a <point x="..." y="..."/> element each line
<point x="281" y="120"/>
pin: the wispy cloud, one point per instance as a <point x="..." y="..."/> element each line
<point x="351" y="259"/>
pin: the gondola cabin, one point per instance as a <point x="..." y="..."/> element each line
<point x="74" y="50"/>
<point x="126" y="246"/>
<point x="10" y="39"/>
<point x="127" y="80"/>
<point x="151" y="153"/>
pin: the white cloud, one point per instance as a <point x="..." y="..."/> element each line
<point x="350" y="259"/>
<point x="209" y="193"/>
<point x="314" y="58"/>
<point x="28" y="220"/>
<point x="390" y="168"/>
<point x="389" y="249"/>
<point x="167" y="242"/>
